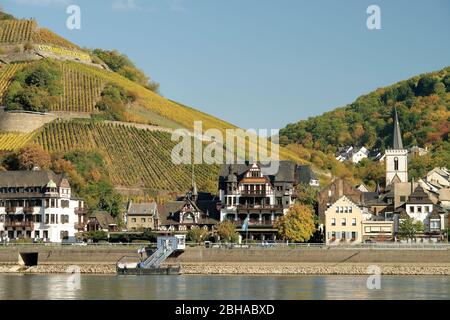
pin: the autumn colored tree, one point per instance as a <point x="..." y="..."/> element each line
<point x="66" y="167"/>
<point x="34" y="156"/>
<point x="227" y="231"/>
<point x="297" y="225"/>
<point x="197" y="235"/>
<point x="307" y="195"/>
<point x="408" y="228"/>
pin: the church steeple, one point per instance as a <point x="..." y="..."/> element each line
<point x="396" y="158"/>
<point x="397" y="141"/>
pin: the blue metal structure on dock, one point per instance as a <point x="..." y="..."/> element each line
<point x="166" y="246"/>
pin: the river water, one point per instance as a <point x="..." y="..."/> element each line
<point x="99" y="287"/>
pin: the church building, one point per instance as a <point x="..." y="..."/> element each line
<point x="396" y="159"/>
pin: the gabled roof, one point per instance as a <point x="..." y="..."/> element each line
<point x="419" y="196"/>
<point x="104" y="219"/>
<point x="145" y="208"/>
<point x="304" y="174"/>
<point x="37" y="178"/>
<point x="286" y="171"/>
<point x="169" y="213"/>
<point x="51" y="184"/>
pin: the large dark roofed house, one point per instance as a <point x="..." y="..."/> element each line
<point x="247" y="192"/>
<point x="38" y="204"/>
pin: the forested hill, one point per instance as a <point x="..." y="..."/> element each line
<point x="423" y="104"/>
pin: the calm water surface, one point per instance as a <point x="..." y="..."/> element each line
<point x="221" y="287"/>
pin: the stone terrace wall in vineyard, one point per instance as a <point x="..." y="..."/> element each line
<point x="25" y="122"/>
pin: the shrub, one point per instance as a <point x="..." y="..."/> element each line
<point x="121" y="64"/>
<point x="35" y="87"/>
<point x="197" y="235"/>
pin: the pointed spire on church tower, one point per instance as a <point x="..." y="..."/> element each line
<point x="397" y="141"/>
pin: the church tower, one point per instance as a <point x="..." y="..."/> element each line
<point x="396" y="158"/>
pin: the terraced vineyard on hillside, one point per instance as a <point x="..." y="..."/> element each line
<point x="134" y="157"/>
<point x="14" y="141"/>
<point x="156" y="103"/>
<point x="45" y="36"/>
<point x="164" y="108"/>
<point x="81" y="90"/>
<point x="16" y="31"/>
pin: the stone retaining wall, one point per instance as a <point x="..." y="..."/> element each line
<point x="337" y="255"/>
<point x="111" y="254"/>
<point x="69" y="254"/>
<point x="23" y="122"/>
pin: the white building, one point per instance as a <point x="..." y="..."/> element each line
<point x="362" y="153"/>
<point x="351" y="153"/>
<point x="419" y="207"/>
<point x="38" y="205"/>
<point x="439" y="177"/>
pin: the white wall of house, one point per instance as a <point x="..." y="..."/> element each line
<point x="358" y="156"/>
<point x="53" y="220"/>
<point x="396" y="165"/>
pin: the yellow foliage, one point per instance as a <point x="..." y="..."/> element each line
<point x="297" y="225"/>
<point x="14" y="141"/>
<point x="16" y="31"/>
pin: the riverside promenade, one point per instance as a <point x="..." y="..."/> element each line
<point x="279" y="259"/>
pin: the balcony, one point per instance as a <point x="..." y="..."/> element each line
<point x="28" y="210"/>
<point x="258" y="208"/>
<point x="81" y="211"/>
<point x="254" y="193"/>
<point x="19" y="224"/>
<point x="255" y="223"/>
<point x="10" y="210"/>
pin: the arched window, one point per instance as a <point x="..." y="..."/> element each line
<point x="396" y="164"/>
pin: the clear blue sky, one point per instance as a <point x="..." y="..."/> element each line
<point x="260" y="63"/>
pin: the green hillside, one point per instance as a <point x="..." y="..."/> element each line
<point x="423" y="104"/>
